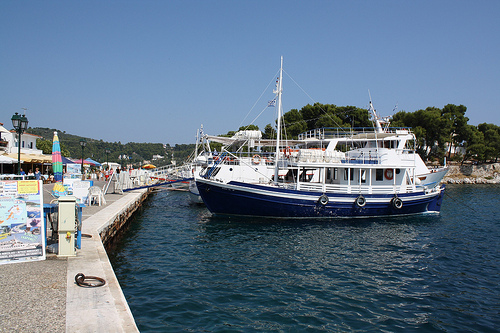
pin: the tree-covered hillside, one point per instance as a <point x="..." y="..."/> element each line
<point x="133" y="152"/>
<point x="437" y="130"/>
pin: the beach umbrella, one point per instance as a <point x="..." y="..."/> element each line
<point x="6" y="160"/>
<point x="87" y="161"/>
<point x="92" y="162"/>
<point x="66" y="160"/>
<point x="57" y="168"/>
<point x="148" y="166"/>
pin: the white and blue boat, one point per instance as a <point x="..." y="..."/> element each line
<point x="327" y="173"/>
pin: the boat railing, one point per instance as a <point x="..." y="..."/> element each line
<point x="288" y="186"/>
<point x="240" y="158"/>
<point x="217" y="161"/>
<point x="354" y="188"/>
<point x="363" y="158"/>
<point x="171" y="171"/>
<point x="408" y="155"/>
<point x="339" y="132"/>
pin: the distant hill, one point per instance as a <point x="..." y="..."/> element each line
<point x="96" y="149"/>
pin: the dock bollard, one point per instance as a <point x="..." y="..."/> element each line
<point x="80" y="280"/>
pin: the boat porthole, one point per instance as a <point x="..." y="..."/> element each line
<point x="397" y="203"/>
<point x="323" y="199"/>
<point x="360" y="201"/>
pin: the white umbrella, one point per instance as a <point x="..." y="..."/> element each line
<point x="6" y="160"/>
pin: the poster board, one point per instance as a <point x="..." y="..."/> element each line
<point x="22" y="231"/>
<point x="74" y="170"/>
<point x="81" y="190"/>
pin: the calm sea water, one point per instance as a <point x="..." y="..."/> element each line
<point x="183" y="270"/>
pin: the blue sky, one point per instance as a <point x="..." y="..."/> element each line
<point x="153" y="71"/>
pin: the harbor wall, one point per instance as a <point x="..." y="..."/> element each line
<point x="113" y="229"/>
<point x="473" y="174"/>
<point x="102" y="309"/>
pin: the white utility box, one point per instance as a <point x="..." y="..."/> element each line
<point x="66" y="226"/>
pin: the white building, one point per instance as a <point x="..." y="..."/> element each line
<point x="9" y="142"/>
<point x="29" y="153"/>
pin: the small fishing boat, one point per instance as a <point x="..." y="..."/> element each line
<point x="325" y="173"/>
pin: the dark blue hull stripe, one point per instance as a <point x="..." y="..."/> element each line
<point x="257" y="200"/>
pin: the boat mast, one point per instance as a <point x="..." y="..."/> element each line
<point x="376" y="119"/>
<point x="279" y="90"/>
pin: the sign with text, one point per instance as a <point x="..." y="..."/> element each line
<point x="22" y="231"/>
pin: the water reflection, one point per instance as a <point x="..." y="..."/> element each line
<point x="183" y="269"/>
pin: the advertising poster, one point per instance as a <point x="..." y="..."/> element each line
<point x="75" y="170"/>
<point x="22" y="232"/>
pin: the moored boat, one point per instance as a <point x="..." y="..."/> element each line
<point x="326" y="173"/>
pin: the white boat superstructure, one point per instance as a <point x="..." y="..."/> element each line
<point x="325" y="173"/>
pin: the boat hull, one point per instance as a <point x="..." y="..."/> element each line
<point x="237" y="198"/>
<point x="194" y="195"/>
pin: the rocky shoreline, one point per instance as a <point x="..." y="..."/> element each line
<point x="473" y="174"/>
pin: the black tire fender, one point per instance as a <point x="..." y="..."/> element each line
<point x="323" y="199"/>
<point x="360" y="201"/>
<point x="397" y="203"/>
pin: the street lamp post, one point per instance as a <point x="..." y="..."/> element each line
<point x="83" y="143"/>
<point x="107" y="153"/>
<point x="20" y="124"/>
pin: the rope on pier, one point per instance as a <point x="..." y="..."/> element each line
<point x="80" y="280"/>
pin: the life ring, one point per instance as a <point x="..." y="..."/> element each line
<point x="360" y="201"/>
<point x="256" y="159"/>
<point x="389" y="174"/>
<point x="397" y="203"/>
<point x="323" y="199"/>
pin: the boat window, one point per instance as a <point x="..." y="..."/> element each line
<point x="398" y="171"/>
<point x="307" y="175"/>
<point x="363" y="176"/>
<point x="379" y="174"/>
<point x="291" y="175"/>
<point x="346" y="174"/>
<point x="302" y="176"/>
<point x="331" y="174"/>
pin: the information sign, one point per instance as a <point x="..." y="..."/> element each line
<point x="22" y="232"/>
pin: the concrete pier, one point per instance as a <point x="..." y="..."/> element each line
<point x="43" y="296"/>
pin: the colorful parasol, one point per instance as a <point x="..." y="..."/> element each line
<point x="148" y="166"/>
<point x="57" y="167"/>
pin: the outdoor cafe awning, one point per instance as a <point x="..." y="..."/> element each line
<point x="93" y="162"/>
<point x="32" y="158"/>
<point x="66" y="160"/>
<point x="87" y="161"/>
<point x="4" y="159"/>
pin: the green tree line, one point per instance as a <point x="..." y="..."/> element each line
<point x="437" y="130"/>
<point x="135" y="153"/>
